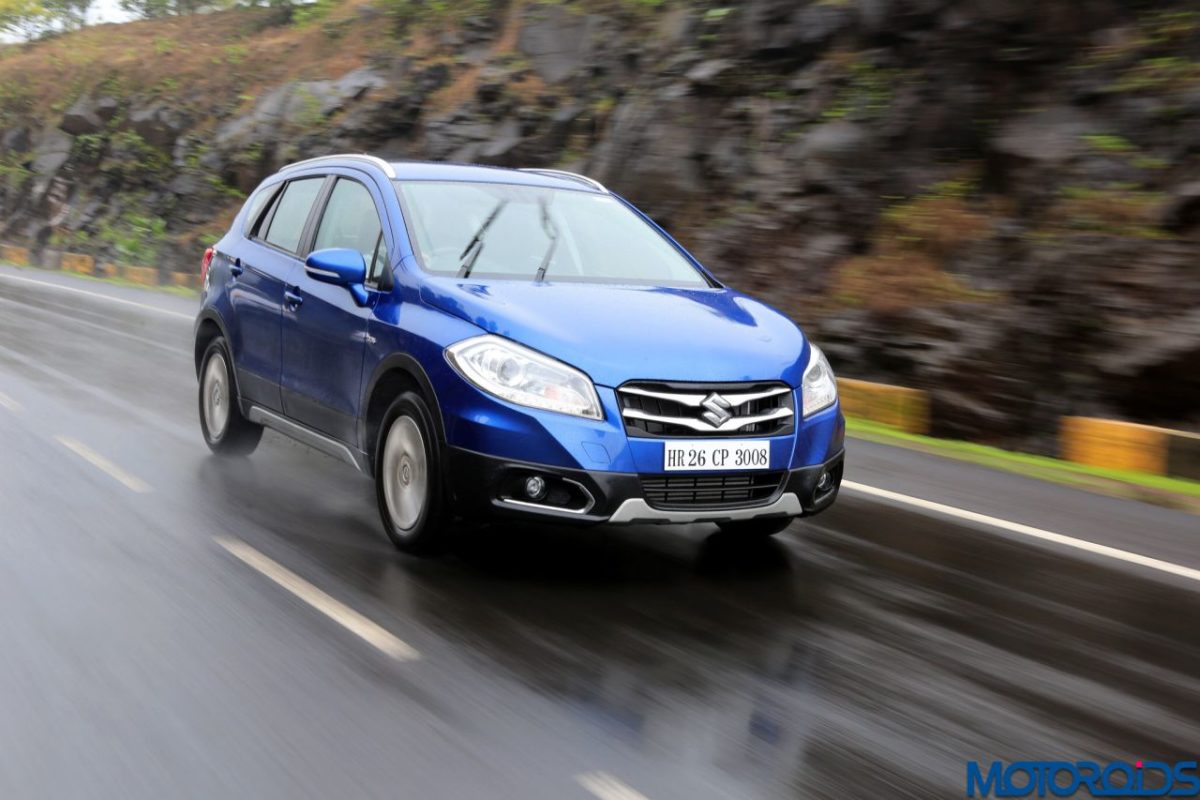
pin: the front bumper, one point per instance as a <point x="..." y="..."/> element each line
<point x="483" y="486"/>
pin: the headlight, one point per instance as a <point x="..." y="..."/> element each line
<point x="523" y="376"/>
<point x="819" y="387"/>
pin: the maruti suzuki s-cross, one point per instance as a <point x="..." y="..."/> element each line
<point x="491" y="342"/>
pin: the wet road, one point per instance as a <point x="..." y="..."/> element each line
<point x="173" y="625"/>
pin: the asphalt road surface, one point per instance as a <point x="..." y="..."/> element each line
<point x="175" y="625"/>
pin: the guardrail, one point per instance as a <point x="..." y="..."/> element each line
<point x="14" y="255"/>
<point x="1105" y="443"/>
<point x="1127" y="445"/>
<point x="904" y="409"/>
<point x="83" y="264"/>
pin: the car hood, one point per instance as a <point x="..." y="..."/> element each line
<point x="620" y="333"/>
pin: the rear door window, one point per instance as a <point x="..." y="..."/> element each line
<point x="291" y="213"/>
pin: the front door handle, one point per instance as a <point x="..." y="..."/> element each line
<point x="292" y="299"/>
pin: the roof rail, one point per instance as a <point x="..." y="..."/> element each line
<point x="571" y="176"/>
<point x="373" y="160"/>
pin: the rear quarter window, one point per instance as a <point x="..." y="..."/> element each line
<point x="255" y="207"/>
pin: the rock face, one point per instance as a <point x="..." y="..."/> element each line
<point x="88" y="115"/>
<point x="557" y="41"/>
<point x="996" y="202"/>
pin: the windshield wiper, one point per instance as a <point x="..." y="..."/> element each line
<point x="552" y="232"/>
<point x="475" y="246"/>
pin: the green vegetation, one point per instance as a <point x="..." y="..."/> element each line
<point x="1174" y="492"/>
<point x="408" y="12"/>
<point x="15" y="102"/>
<point x="309" y="115"/>
<point x="868" y="91"/>
<point x="27" y="18"/>
<point x="913" y="245"/>
<point x="311" y="13"/>
<point x="13" y="172"/>
<point x="1159" y="73"/>
<point x="135" y="237"/>
<point x="133" y="159"/>
<point x="1108" y="143"/>
<point x="90" y="146"/>
<point x="1117" y="209"/>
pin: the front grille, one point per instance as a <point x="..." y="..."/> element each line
<point x="695" y="410"/>
<point x="710" y="491"/>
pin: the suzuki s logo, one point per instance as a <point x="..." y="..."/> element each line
<point x="717" y="413"/>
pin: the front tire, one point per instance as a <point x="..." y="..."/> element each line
<point x="226" y="431"/>
<point x="756" y="528"/>
<point x="408" y="477"/>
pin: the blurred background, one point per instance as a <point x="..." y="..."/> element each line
<point x="986" y="211"/>
<point x="998" y="203"/>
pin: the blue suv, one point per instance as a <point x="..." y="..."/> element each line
<point x="507" y="343"/>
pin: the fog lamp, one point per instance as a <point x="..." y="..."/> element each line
<point x="535" y="487"/>
<point x="824" y="482"/>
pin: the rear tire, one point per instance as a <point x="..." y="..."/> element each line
<point x="226" y="431"/>
<point x="757" y="528"/>
<point x="408" y="477"/>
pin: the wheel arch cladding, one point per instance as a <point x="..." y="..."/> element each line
<point x="395" y="374"/>
<point x="208" y="328"/>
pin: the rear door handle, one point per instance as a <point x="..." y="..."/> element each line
<point x="293" y="299"/>
<point x="236" y="268"/>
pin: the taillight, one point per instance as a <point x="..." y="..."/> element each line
<point x="204" y="264"/>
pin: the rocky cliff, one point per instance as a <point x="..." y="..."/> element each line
<point x="995" y="201"/>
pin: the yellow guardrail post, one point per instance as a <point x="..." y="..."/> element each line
<point x="77" y="262"/>
<point x="895" y="406"/>
<point x="146" y="276"/>
<point x="12" y="254"/>
<point x="1114" y="444"/>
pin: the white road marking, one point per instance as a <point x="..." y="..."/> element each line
<point x="98" y="295"/>
<point x="339" y="612"/>
<point x="103" y="464"/>
<point x="1027" y="530"/>
<point x="606" y="787"/>
<point x="10" y="404"/>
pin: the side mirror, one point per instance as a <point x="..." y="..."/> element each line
<point x="339" y="266"/>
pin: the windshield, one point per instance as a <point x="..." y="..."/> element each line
<point x="496" y="230"/>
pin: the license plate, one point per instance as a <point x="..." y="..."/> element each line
<point x="723" y="454"/>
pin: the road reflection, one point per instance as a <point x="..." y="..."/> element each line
<point x="868" y="653"/>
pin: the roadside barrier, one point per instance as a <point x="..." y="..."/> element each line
<point x="1126" y="445"/>
<point x="146" y="276"/>
<point x="77" y="262"/>
<point x="12" y="254"/>
<point x="895" y="406"/>
<point x="87" y="265"/>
